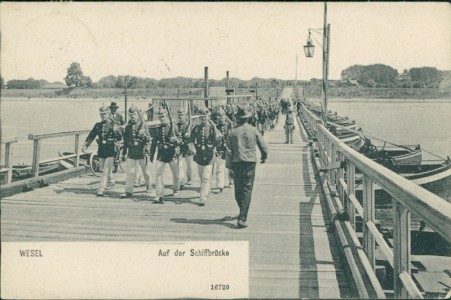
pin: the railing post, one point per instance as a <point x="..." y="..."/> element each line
<point x="401" y="247"/>
<point x="341" y="175"/>
<point x="9" y="162"/>
<point x="351" y="191"/>
<point x="333" y="159"/>
<point x="36" y="157"/>
<point x="369" y="242"/>
<point x="329" y="148"/>
<point x="77" y="151"/>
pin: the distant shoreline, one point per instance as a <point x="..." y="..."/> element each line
<point x="350" y="94"/>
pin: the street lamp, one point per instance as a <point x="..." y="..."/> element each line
<point x="125" y="96"/>
<point x="309" y="49"/>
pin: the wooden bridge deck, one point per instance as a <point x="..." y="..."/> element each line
<point x="291" y="253"/>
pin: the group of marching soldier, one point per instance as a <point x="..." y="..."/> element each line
<point x="180" y="143"/>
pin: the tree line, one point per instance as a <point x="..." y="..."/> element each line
<point x="374" y="76"/>
<point x="379" y="75"/>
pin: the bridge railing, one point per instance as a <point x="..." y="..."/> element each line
<point x="407" y="197"/>
<point x="8" y="166"/>
<point x="37" y="139"/>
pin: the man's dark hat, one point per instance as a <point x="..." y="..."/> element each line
<point x="114" y="105"/>
<point x="243" y="111"/>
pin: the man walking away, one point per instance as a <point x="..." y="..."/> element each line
<point x="242" y="142"/>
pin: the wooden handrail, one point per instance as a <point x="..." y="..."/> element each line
<point x="41" y="136"/>
<point x="430" y="207"/>
<point x="9" y="140"/>
<point x="407" y="197"/>
<point x="38" y="137"/>
<point x="434" y="210"/>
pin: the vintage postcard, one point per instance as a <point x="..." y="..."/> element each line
<point x="223" y="150"/>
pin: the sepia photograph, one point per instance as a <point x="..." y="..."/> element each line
<point x="225" y="150"/>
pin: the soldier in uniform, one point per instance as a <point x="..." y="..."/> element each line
<point x="108" y="134"/>
<point x="224" y="126"/>
<point x="186" y="152"/>
<point x="204" y="137"/>
<point x="165" y="139"/>
<point x="289" y="126"/>
<point x="116" y="117"/>
<point x="262" y="116"/>
<point x="136" y="146"/>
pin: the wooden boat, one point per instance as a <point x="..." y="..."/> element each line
<point x="394" y="154"/>
<point x="343" y="125"/>
<point x="344" y="129"/>
<point x="434" y="177"/>
<point x="351" y="138"/>
<point x="22" y="171"/>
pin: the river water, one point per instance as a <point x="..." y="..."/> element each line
<point x="398" y="121"/>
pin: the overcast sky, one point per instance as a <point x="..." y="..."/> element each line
<point x="161" y="40"/>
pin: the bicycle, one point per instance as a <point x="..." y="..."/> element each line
<point x="94" y="162"/>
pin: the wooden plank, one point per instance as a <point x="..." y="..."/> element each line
<point x="8" y="140"/>
<point x="369" y="242"/>
<point x="24" y="185"/>
<point x="36" y="157"/>
<point x="9" y="161"/>
<point x="401" y="247"/>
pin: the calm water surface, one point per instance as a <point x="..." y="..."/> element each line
<point x="427" y="123"/>
<point x="401" y="122"/>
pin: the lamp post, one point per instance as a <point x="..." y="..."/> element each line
<point x="309" y="49"/>
<point x="125" y="94"/>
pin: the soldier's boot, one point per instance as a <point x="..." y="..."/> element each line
<point x="110" y="185"/>
<point x="241" y="224"/>
<point x="159" y="200"/>
<point x="126" y="195"/>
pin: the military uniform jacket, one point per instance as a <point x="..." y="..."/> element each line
<point x="106" y="139"/>
<point x="184" y="147"/>
<point x="134" y="144"/>
<point x="221" y="145"/>
<point x="262" y="115"/>
<point x="167" y="150"/>
<point x="204" y="139"/>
